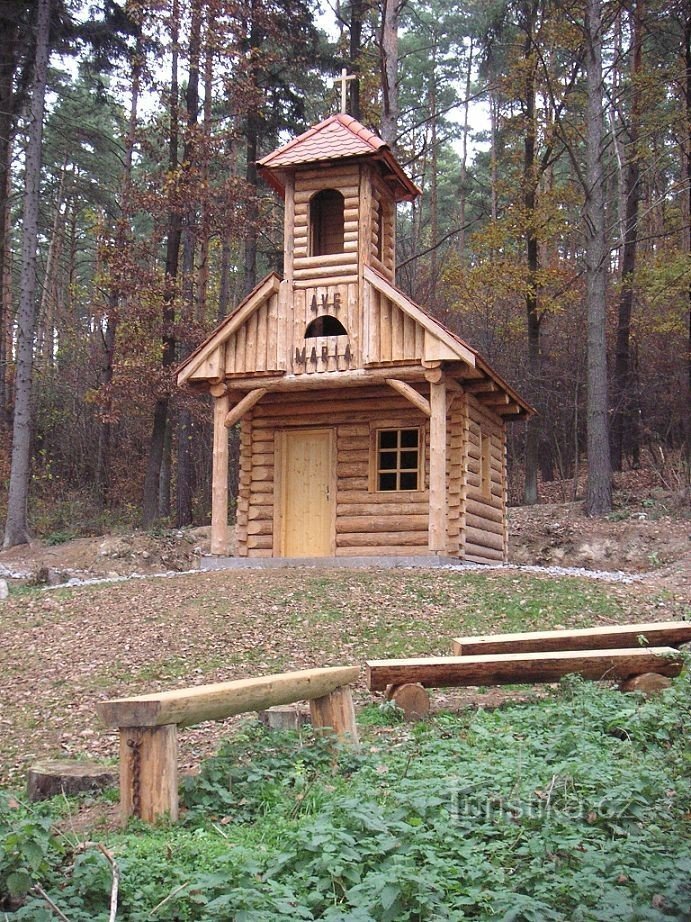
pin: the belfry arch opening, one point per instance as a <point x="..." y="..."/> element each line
<point x="326" y="223"/>
<point x="326" y="325"/>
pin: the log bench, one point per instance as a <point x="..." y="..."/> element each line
<point x="148" y="725"/>
<point x="522" y="668"/>
<point x="653" y="634"/>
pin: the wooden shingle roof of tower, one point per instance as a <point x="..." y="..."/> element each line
<point x="339" y="137"/>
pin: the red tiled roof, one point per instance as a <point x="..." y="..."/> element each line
<point x="338" y="136"/>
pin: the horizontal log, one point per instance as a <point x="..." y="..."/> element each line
<point x="655" y="634"/>
<point x="391" y="539"/>
<point x="330" y="379"/>
<point x="484" y="510"/>
<point x="318" y="172"/>
<point x="356" y="453"/>
<point x="522" y="668"/>
<point x="378" y="521"/>
<point x="378" y="506"/>
<point x="383" y="550"/>
<point x="187" y="706"/>
<point x="260" y="526"/>
<point x="330" y="260"/>
<point x="306" y="192"/>
<point x="308" y="280"/>
<point x="483" y="538"/>
<point x="259" y="541"/>
<point x="322" y="273"/>
<point x="478" y="554"/>
<point x="481" y="523"/>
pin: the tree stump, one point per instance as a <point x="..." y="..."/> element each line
<point x="411" y="698"/>
<point x="285" y="717"/>
<point x="649" y="683"/>
<point x="48" y="779"/>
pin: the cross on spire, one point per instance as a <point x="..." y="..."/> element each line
<point x="343" y="80"/>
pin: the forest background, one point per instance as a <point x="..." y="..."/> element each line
<point x="554" y="238"/>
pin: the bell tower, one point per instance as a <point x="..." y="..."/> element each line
<point x="341" y="184"/>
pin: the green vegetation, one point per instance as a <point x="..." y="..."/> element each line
<point x="576" y="807"/>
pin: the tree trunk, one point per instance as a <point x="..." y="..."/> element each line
<point x="8" y="51"/>
<point x="388" y="63"/>
<point x="105" y="435"/>
<point x="687" y="140"/>
<point x="624" y="434"/>
<point x="184" y="491"/>
<point x="462" y="191"/>
<point x="157" y="445"/>
<point x="432" y="300"/>
<point x="599" y="490"/>
<point x="530" y="198"/>
<point x="357" y="15"/>
<point x="16" y="528"/>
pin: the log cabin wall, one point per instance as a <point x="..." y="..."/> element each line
<point x="382" y="233"/>
<point x="455" y="479"/>
<point x="485" y="534"/>
<point x="368" y="522"/>
<point x="336" y="267"/>
<point x="327" y="285"/>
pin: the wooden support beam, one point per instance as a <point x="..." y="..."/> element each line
<point x="522" y="668"/>
<point x="336" y="712"/>
<point x="434" y="375"/>
<point x="149" y="773"/>
<point x="219" y="478"/>
<point x="437" y="469"/>
<point x="188" y="706"/>
<point x="411" y="395"/>
<point x="511" y="409"/>
<point x="244" y="406"/>
<point x="481" y="387"/>
<point x="652" y="634"/>
<point x="324" y="379"/>
<point x="496" y="399"/>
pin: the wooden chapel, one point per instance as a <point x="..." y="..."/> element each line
<point x="367" y="428"/>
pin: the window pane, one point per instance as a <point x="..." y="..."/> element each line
<point x="409" y="438"/>
<point x="408" y="460"/>
<point x="387" y="481"/>
<point x="388" y="439"/>
<point x="409" y="481"/>
<point x="387" y="461"/>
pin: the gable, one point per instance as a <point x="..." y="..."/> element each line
<point x="399" y="330"/>
<point x="246" y="342"/>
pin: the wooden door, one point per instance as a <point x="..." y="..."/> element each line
<point x="307" y="527"/>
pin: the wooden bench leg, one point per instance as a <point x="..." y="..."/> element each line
<point x="336" y="711"/>
<point x="149" y="773"/>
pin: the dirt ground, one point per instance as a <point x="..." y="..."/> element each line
<point x="648" y="532"/>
